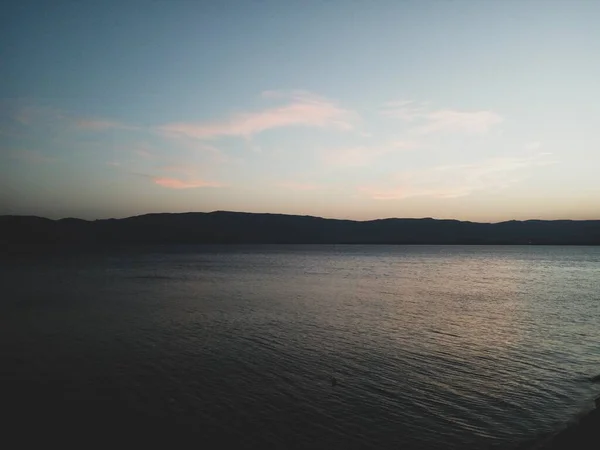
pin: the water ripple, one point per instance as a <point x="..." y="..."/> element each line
<point x="432" y="347"/>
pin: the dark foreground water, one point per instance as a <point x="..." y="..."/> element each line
<point x="432" y="347"/>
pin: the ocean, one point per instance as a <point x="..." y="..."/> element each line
<point x="435" y="347"/>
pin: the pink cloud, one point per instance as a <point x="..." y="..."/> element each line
<point x="459" y="122"/>
<point x="143" y="153"/>
<point x="186" y="170"/>
<point x="362" y="155"/>
<point x="174" y="183"/>
<point x="210" y="153"/>
<point x="458" y="180"/>
<point x="352" y="156"/>
<point x="303" y="110"/>
<point x="101" y="125"/>
<point x="296" y="186"/>
<point x="36" y="114"/>
<point x="400" y="193"/>
<point x="442" y="120"/>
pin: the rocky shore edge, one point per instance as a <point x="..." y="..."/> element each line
<point x="583" y="434"/>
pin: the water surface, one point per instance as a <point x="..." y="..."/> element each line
<point x="432" y="346"/>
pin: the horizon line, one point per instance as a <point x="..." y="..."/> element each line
<point x="298" y="215"/>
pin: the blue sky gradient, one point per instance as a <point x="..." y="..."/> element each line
<point x="477" y="110"/>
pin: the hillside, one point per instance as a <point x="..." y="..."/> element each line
<point x="231" y="227"/>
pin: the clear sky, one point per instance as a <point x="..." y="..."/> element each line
<point x="479" y="110"/>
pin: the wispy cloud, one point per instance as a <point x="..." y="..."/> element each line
<point x="298" y="186"/>
<point x="459" y="122"/>
<point x="302" y="109"/>
<point x="191" y="144"/>
<point x="362" y="155"/>
<point x="441" y="120"/>
<point x="143" y="153"/>
<point x="179" y="177"/>
<point x="34" y="115"/>
<point x="407" y="110"/>
<point x="142" y="149"/>
<point x="102" y="125"/>
<point x="23" y="116"/>
<point x="32" y="157"/>
<point x="30" y="114"/>
<point x="176" y="183"/>
<point x="458" y="180"/>
<point x="531" y="146"/>
<point x="188" y="170"/>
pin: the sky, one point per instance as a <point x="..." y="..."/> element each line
<point x="475" y="110"/>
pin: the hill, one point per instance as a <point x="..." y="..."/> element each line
<point x="222" y="227"/>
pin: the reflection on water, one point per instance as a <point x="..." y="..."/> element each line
<point x="431" y="346"/>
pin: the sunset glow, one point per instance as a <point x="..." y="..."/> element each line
<point x="471" y="110"/>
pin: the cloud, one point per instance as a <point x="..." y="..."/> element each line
<point x="46" y="118"/>
<point x="441" y="120"/>
<point x="352" y="156"/>
<point x="188" y="170"/>
<point x="194" y="145"/>
<point x="362" y="155"/>
<point x="23" y="116"/>
<point x="102" y="125"/>
<point x="296" y="186"/>
<point x="30" y="114"/>
<point x="175" y="183"/>
<point x="188" y="178"/>
<point x="407" y="110"/>
<point x="535" y="145"/>
<point x="459" y="180"/>
<point x="35" y="115"/>
<point x="294" y="94"/>
<point x="143" y="153"/>
<point x="32" y="157"/>
<point x="303" y="109"/>
<point x="459" y="122"/>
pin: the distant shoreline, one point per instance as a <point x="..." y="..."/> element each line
<point x="222" y="227"/>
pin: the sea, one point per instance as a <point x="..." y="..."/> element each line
<point x="300" y="346"/>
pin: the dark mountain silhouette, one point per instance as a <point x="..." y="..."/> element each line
<point x="222" y="227"/>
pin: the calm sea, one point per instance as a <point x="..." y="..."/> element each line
<point x="431" y="346"/>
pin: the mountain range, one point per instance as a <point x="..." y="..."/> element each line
<point x="224" y="227"/>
